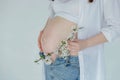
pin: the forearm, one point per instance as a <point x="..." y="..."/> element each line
<point x="96" y="40"/>
<point x="77" y="45"/>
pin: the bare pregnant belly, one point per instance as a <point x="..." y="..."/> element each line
<point x="57" y="30"/>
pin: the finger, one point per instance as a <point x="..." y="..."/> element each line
<point x="72" y="43"/>
<point x="75" y="39"/>
<point x="74" y="51"/>
<point x="72" y="47"/>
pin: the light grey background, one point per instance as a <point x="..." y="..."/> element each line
<point x="20" y="23"/>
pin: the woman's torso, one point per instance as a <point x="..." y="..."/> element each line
<point x="57" y="30"/>
<point x="60" y="27"/>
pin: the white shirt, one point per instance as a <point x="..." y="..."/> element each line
<point x="99" y="16"/>
<point x="68" y="9"/>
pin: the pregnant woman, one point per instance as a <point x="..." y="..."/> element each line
<point x="58" y="28"/>
<point x="71" y="42"/>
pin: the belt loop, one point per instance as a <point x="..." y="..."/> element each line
<point x="67" y="62"/>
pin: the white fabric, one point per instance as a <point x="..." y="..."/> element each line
<point x="68" y="9"/>
<point x="99" y="16"/>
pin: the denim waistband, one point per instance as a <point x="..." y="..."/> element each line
<point x="69" y="60"/>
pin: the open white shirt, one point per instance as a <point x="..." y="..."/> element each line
<point x="99" y="16"/>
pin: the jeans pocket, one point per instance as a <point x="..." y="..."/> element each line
<point x="58" y="61"/>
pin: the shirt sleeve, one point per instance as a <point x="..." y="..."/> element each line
<point x="112" y="20"/>
<point x="50" y="9"/>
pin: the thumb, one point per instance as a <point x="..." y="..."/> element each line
<point x="75" y="39"/>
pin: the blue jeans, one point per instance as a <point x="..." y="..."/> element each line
<point x="63" y="69"/>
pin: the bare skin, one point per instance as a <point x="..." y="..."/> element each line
<point x="77" y="44"/>
<point x="56" y="30"/>
<point x="51" y="34"/>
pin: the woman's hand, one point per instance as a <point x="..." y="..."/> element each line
<point x="39" y="40"/>
<point x="76" y="45"/>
